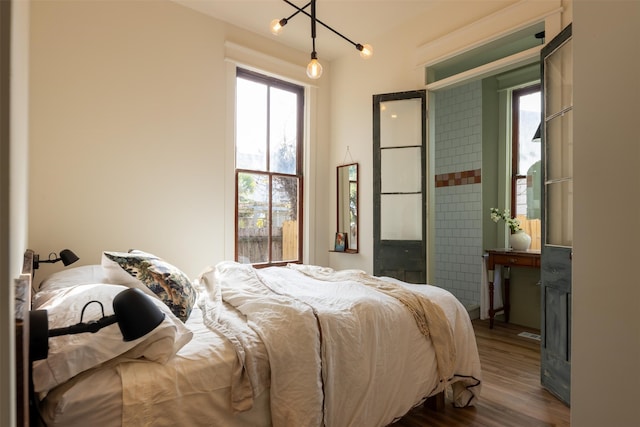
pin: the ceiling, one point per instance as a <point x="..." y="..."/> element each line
<point x="362" y="21"/>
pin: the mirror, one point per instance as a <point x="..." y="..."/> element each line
<point x="347" y="180"/>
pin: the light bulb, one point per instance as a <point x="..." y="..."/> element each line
<point x="366" y="52"/>
<point x="314" y="69"/>
<point x="276" y="26"/>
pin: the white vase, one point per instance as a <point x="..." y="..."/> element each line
<point x="520" y="241"/>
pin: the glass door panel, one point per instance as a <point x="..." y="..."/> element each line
<point x="559" y="147"/>
<point x="401" y="171"/>
<point x="401" y="123"/>
<point x="401" y="217"/>
<point x="558" y="80"/>
<point x="560" y="213"/>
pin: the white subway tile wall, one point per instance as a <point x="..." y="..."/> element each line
<point x="458" y="208"/>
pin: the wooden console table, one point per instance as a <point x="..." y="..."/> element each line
<point x="507" y="258"/>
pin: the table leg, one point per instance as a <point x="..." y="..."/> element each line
<point x="492" y="313"/>
<point x="507" y="294"/>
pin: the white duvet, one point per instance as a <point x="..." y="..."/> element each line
<point x="340" y="353"/>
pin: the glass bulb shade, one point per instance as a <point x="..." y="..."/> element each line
<point x="276" y="27"/>
<point x="314" y="69"/>
<point x="367" y="51"/>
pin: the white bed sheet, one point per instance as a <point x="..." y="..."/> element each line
<point x="195" y="386"/>
<point x="375" y="362"/>
<point x="199" y="374"/>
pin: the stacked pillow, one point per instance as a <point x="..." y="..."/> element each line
<point x="152" y="275"/>
<point x="68" y="293"/>
<point x="70" y="355"/>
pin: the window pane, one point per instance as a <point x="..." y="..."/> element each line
<point x="283" y="130"/>
<point x="534" y="191"/>
<point x="529" y="151"/>
<point x="268" y="148"/>
<point x="527" y="179"/>
<point x="251" y="125"/>
<point x="521" y="196"/>
<point x="284" y="246"/>
<point x="253" y="218"/>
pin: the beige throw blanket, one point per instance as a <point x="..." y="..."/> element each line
<point x="429" y="317"/>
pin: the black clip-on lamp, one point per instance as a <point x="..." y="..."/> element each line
<point x="66" y="256"/>
<point x="134" y="312"/>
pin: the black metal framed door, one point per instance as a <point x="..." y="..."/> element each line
<point x="557" y="224"/>
<point x="399" y="185"/>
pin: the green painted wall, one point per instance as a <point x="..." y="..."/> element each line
<point x="525" y="292"/>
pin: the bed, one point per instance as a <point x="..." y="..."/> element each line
<point x="298" y="345"/>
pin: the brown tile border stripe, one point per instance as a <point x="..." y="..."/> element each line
<point x="458" y="178"/>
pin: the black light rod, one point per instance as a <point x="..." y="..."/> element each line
<point x="320" y="22"/>
<point x="92" y="326"/>
<point x="298" y="11"/>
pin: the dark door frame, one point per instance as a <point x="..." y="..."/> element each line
<point x="403" y="259"/>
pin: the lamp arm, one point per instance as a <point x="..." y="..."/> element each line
<point x="37" y="261"/>
<point x="299" y="9"/>
<point x="321" y="23"/>
<point x="336" y="33"/>
<point x="82" y="327"/>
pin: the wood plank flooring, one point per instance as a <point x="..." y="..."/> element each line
<point x="511" y="391"/>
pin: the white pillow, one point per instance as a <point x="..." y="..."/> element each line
<point x="71" y="354"/>
<point x="82" y="275"/>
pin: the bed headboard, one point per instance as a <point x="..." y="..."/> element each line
<point x="23" y="286"/>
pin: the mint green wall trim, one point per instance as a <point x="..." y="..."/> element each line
<point x="490" y="159"/>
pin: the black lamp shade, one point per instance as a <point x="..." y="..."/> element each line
<point x="68" y="257"/>
<point x="38" y="334"/>
<point x="137" y="315"/>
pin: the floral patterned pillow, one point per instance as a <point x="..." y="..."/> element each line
<point x="164" y="280"/>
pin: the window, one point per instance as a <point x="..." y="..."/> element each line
<point x="268" y="155"/>
<point x="526" y="161"/>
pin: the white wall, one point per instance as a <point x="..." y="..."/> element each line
<point x="130" y="135"/>
<point x="13" y="190"/>
<point x="395" y="67"/>
<point x="606" y="291"/>
<point x="354" y="82"/>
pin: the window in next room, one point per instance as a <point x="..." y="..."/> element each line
<point x="268" y="171"/>
<point x="526" y="160"/>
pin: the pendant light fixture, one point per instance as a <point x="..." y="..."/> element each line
<point x="314" y="68"/>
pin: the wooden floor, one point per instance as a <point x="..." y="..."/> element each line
<point x="511" y="393"/>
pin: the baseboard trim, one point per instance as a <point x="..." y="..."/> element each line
<point x="473" y="310"/>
